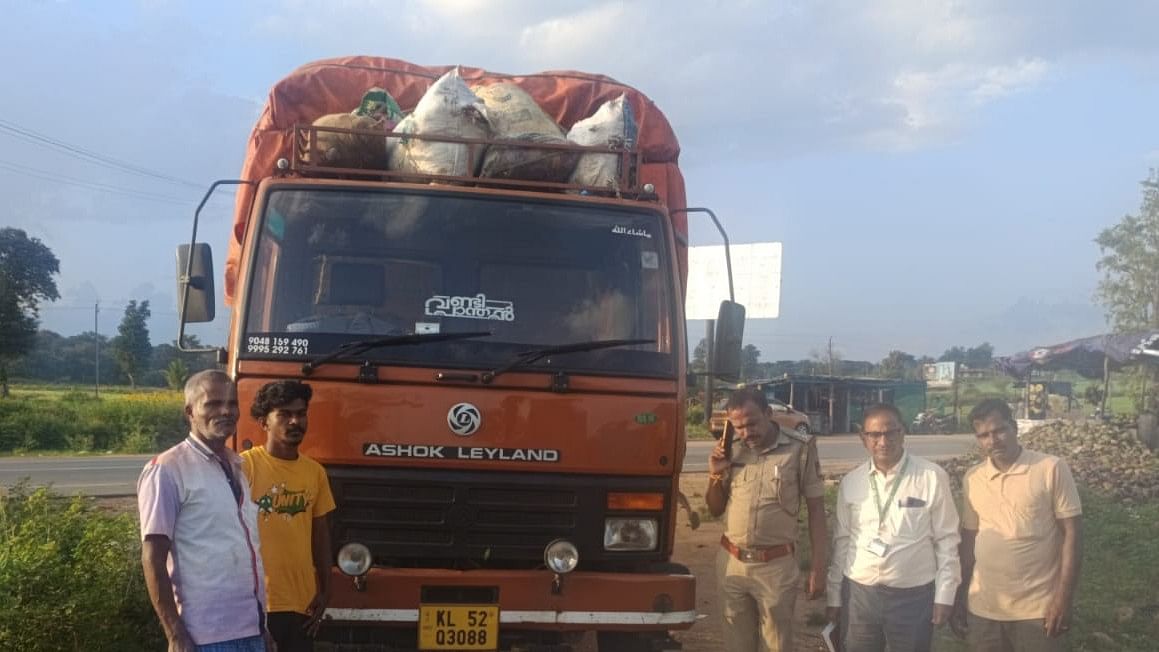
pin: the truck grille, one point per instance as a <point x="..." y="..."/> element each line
<point x="437" y="518"/>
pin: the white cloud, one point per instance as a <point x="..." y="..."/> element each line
<point x="928" y="28"/>
<point x="823" y="73"/>
<point x="174" y="87"/>
<point x="794" y="74"/>
<point x="998" y="81"/>
<point x="934" y="101"/>
<point x="579" y="34"/>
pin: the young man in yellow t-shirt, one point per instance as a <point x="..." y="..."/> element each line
<point x="294" y="500"/>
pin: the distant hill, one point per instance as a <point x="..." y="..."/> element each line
<point x="1029" y="323"/>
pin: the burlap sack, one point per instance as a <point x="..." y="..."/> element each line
<point x="612" y="125"/>
<point x="448" y="108"/>
<point x="514" y="115"/>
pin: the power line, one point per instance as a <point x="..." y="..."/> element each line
<point x="28" y="135"/>
<point x="91" y="185"/>
<point x="118" y="305"/>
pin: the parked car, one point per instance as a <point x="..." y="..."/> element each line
<point x="785" y="416"/>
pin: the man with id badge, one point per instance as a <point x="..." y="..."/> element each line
<point x="895" y="565"/>
<point x="757" y="482"/>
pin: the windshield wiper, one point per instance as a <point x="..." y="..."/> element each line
<point x="362" y="346"/>
<point x="527" y="357"/>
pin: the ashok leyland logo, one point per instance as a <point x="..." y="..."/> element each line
<point x="464" y="419"/>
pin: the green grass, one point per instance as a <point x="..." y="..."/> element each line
<point x="1117" y="594"/>
<point x="46" y="419"/>
<point x="1120" y="573"/>
<point x="804" y="545"/>
<point x="697" y="431"/>
<point x="1121" y="405"/>
<point x="1123" y="399"/>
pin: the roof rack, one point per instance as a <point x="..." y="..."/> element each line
<point x="310" y="161"/>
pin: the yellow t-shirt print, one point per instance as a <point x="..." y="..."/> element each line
<point x="286" y="502"/>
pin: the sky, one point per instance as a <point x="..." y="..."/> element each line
<point x="936" y="170"/>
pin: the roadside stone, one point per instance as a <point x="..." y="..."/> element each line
<point x="1105" y="457"/>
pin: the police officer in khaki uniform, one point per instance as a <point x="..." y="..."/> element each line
<point x="758" y="484"/>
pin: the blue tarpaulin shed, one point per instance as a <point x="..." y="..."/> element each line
<point x="1086" y="356"/>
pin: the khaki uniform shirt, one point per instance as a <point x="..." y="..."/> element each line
<point x="1019" y="543"/>
<point x="765" y="489"/>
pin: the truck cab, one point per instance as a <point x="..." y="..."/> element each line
<point x="499" y="375"/>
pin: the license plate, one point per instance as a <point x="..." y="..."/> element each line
<point x="458" y="627"/>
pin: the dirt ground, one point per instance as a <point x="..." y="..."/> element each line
<point x="696" y="549"/>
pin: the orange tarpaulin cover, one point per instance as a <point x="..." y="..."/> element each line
<point x="337" y="86"/>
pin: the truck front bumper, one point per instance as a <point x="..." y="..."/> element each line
<point x="527" y="599"/>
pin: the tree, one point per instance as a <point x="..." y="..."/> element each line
<point x="1129" y="289"/>
<point x="1129" y="262"/>
<point x="27" y="267"/>
<point x="700" y="357"/>
<point x="131" y="346"/>
<point x="954" y="354"/>
<point x="898" y="364"/>
<point x="176" y="374"/>
<point x="826" y="361"/>
<point x="980" y="357"/>
<point x="750" y="362"/>
<point x="164" y="355"/>
<point x="57" y="359"/>
<point x="1093" y="395"/>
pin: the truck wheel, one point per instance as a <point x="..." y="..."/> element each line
<point x="621" y="642"/>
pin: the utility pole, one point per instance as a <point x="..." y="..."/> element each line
<point x="832" y="389"/>
<point x="97" y="347"/>
<point x="957" y="405"/>
<point x="710" y="354"/>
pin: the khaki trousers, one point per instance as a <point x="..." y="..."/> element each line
<point x="987" y="635"/>
<point x="757" y="601"/>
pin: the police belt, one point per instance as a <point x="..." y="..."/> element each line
<point x="754" y="555"/>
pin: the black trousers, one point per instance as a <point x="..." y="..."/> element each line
<point x="287" y="629"/>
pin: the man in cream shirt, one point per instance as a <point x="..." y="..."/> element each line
<point x="1021" y="542"/>
<point x="895" y="548"/>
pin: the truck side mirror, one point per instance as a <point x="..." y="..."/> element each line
<point x="726" y="352"/>
<point x="200" y="305"/>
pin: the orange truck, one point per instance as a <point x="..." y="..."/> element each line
<point x="505" y="467"/>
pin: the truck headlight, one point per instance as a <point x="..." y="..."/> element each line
<point x="354" y="559"/>
<point x="561" y="556"/>
<point x="630" y="534"/>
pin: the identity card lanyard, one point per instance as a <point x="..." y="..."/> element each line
<point x="882" y="510"/>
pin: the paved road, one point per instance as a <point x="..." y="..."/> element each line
<point x="844" y="450"/>
<point x="106" y="475"/>
<point x="112" y="475"/>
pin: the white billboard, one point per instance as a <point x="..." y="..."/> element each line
<point x="939" y="374"/>
<point x="756" y="274"/>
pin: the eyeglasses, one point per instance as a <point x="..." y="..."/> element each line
<point x="885" y="434"/>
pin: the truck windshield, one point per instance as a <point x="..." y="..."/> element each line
<point x="332" y="266"/>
